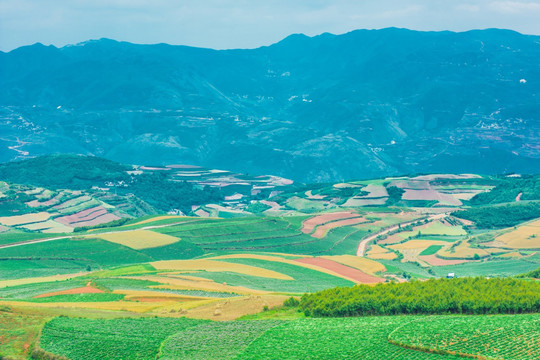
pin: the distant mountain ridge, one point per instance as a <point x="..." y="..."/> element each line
<point x="364" y="104"/>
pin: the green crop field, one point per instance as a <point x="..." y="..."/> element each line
<point x="30" y="290"/>
<point x="18" y="333"/>
<point x="214" y="340"/>
<point x="352" y="338"/>
<point x="125" y="339"/>
<point x="502" y="336"/>
<point x="494" y="337"/>
<point x="431" y="250"/>
<point x="305" y="279"/>
<point x="28" y="268"/>
<point x="499" y="267"/>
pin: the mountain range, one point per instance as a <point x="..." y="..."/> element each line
<point x="363" y="104"/>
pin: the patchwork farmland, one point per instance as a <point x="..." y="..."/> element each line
<point x="106" y="258"/>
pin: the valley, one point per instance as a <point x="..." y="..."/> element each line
<point x="101" y="248"/>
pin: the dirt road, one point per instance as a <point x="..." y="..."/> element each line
<point x="361" y="250"/>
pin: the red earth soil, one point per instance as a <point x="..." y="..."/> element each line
<point x="82" y="290"/>
<point x="50" y="202"/>
<point x="84" y="215"/>
<point x="349" y="272"/>
<point x="105" y="218"/>
<point x="436" y="261"/>
<point x="323" y="229"/>
<point x="309" y="224"/>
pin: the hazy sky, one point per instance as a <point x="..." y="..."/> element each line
<point x="245" y="23"/>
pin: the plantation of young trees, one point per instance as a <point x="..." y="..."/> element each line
<point x="435" y="296"/>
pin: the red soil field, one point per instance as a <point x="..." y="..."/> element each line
<point x="309" y="224"/>
<point x="349" y="272"/>
<point x="436" y="261"/>
<point x="82" y="290"/>
<point x="50" y="202"/>
<point x="105" y="218"/>
<point x="84" y="215"/>
<point x="321" y="231"/>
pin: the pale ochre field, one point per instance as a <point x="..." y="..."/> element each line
<point x="524" y="237"/>
<point x="35" y="280"/>
<point x="139" y="239"/>
<point x="24" y="219"/>
<point x="175" y="282"/>
<point x="363" y="264"/>
<point x="286" y="261"/>
<point x="463" y="250"/>
<point x="233" y="308"/>
<point x="218" y="266"/>
<point x="417" y="244"/>
<point x="157" y="218"/>
<point x="48" y="226"/>
<point x="379" y="253"/>
<point x="132" y="306"/>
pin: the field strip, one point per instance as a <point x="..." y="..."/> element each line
<point x="303" y="262"/>
<point x="322" y="230"/>
<point x="80" y="290"/>
<point x="361" y="250"/>
<point x="309" y="224"/>
<point x="158" y="218"/>
<point x="29" y="242"/>
<point x="140" y="239"/>
<point x="363" y="264"/>
<point x="193" y="283"/>
<point x="133" y="295"/>
<point x="218" y="266"/>
<point x="343" y="271"/>
<point x="138" y="307"/>
<point x="24" y="219"/>
<point x="35" y="280"/>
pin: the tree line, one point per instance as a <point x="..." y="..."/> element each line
<point x="434" y="296"/>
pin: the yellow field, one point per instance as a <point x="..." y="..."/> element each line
<point x="153" y="296"/>
<point x="35" y="280"/>
<point x="417" y="244"/>
<point x="233" y="308"/>
<point x="524" y="237"/>
<point x="363" y="264"/>
<point x="463" y="250"/>
<point x="282" y="260"/>
<point x="194" y="283"/>
<point x="138" y="307"/>
<point x="165" y="217"/>
<point x="24" y="219"/>
<point x="515" y="254"/>
<point x="378" y="252"/>
<point x="139" y="239"/>
<point x="218" y="266"/>
<point x="412" y="249"/>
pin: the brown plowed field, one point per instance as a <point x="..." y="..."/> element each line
<point x="346" y="271"/>
<point x="309" y="224"/>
